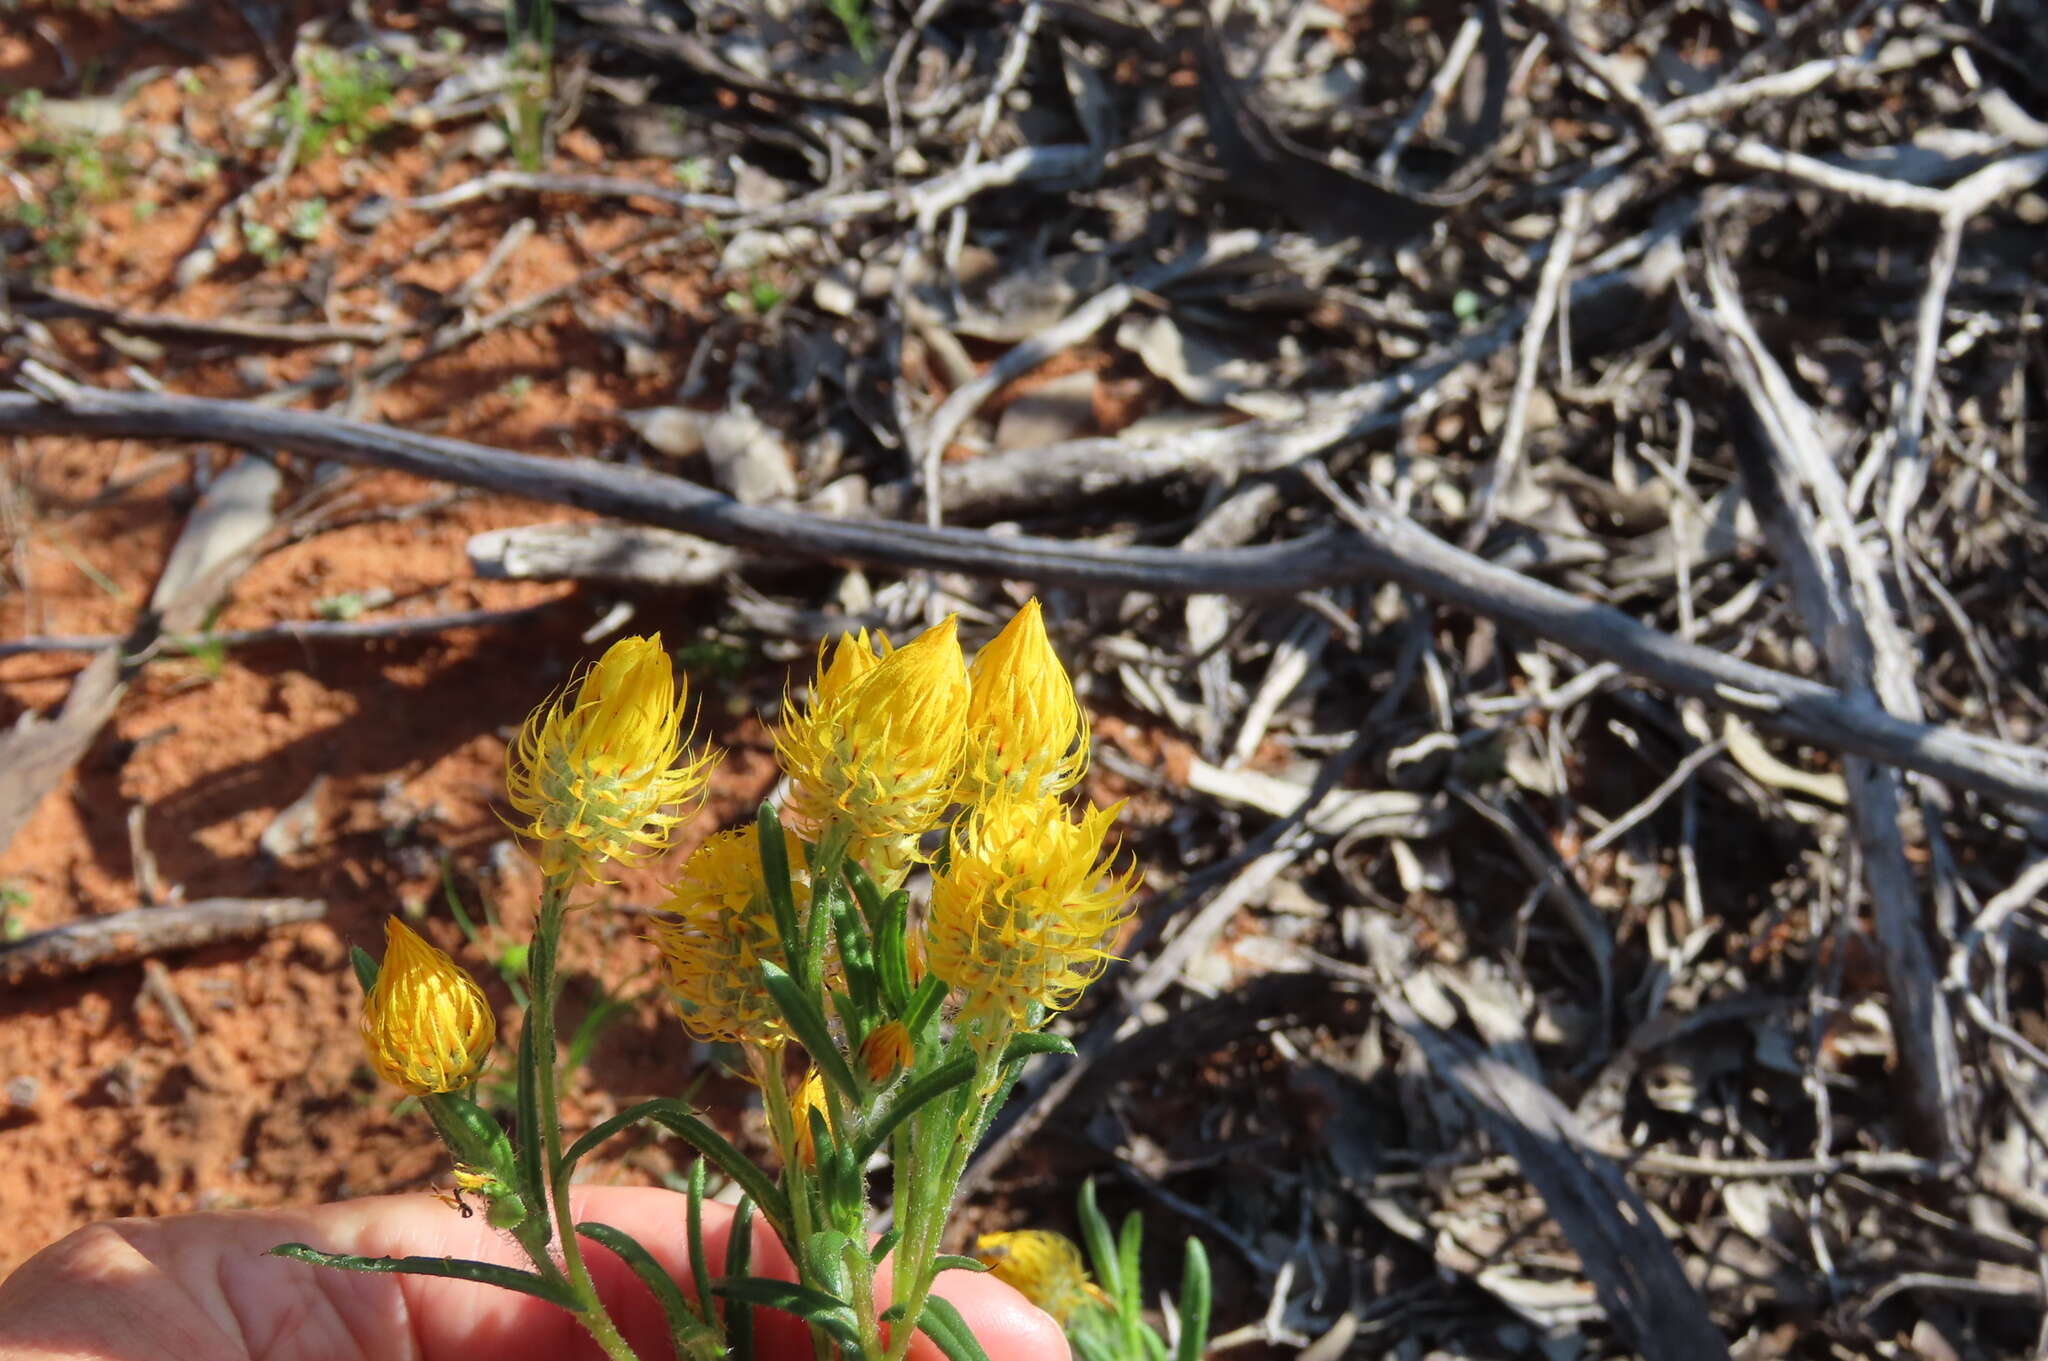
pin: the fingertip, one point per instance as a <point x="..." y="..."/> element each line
<point x="1008" y="1326"/>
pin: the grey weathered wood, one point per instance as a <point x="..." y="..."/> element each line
<point x="124" y="937"/>
<point x="1381" y="544"/>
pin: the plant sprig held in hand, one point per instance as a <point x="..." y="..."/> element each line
<point x="868" y="1032"/>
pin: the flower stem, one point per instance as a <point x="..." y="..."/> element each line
<point x="932" y="1202"/>
<point x="541" y="1016"/>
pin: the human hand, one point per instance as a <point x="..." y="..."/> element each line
<point x="199" y="1288"/>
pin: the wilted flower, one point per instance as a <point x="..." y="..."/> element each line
<point x="1023" y="910"/>
<point x="879" y="745"/>
<point x="597" y="778"/>
<point x="1026" y="733"/>
<point x="725" y="928"/>
<point x="426" y="1024"/>
<point x="1042" y="1266"/>
<point x="886" y="1051"/>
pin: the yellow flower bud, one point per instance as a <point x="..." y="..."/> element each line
<point x="1042" y="1266"/>
<point x="887" y="1051"/>
<point x="1025" y="907"/>
<point x="596" y="778"/>
<point x="879" y="746"/>
<point x="810" y="1096"/>
<point x="724" y="928"/>
<point x="426" y="1024"/>
<point x="1026" y="733"/>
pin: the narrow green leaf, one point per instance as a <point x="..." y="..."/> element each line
<point x="867" y="893"/>
<point x="366" y="966"/>
<point x="857" y="957"/>
<point x="924" y="1005"/>
<point x="953" y="1261"/>
<point x="942" y="1324"/>
<point x="808" y="1022"/>
<point x="689" y="1331"/>
<point x="886" y="1244"/>
<point x="1194" y="1303"/>
<point x="835" y="1316"/>
<point x="775" y="877"/>
<point x="892" y="953"/>
<point x="675" y="1117"/>
<point x="451" y="1268"/>
<point x="826" y="1255"/>
<point x="531" y="1164"/>
<point x="907" y="1102"/>
<point x="1031" y="1042"/>
<point x="739" y="1252"/>
<point x="1101" y="1247"/>
<point x="1128" y="1241"/>
<point x="700" y="1269"/>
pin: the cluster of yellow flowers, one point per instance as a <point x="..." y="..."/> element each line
<point x="911" y="754"/>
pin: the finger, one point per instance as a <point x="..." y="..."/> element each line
<point x="199" y="1285"/>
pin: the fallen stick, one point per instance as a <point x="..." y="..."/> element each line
<point x="1381" y="544"/>
<point x="125" y="937"/>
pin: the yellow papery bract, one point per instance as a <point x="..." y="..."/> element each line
<point x="887" y="1051"/>
<point x="1042" y="1266"/>
<point x="1026" y="733"/>
<point x="1026" y="904"/>
<point x="597" y="778"/>
<point x="810" y="1096"/>
<point x="878" y="749"/>
<point x="426" y="1024"/>
<point x="712" y="953"/>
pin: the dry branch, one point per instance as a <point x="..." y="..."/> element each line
<point x="125" y="937"/>
<point x="1383" y="545"/>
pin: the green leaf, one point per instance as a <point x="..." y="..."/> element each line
<point x="942" y="1324"/>
<point x="451" y="1268"/>
<point x="739" y="1252"/>
<point x="835" y="1316"/>
<point x="867" y="893"/>
<point x="826" y="1255"/>
<point x="924" y="1004"/>
<point x="1032" y="1042"/>
<point x="892" y="954"/>
<point x="532" y="1162"/>
<point x="886" y="1244"/>
<point x="775" y="877"/>
<point x="953" y="1261"/>
<point x="700" y="1270"/>
<point x="366" y="966"/>
<point x="1127" y="1244"/>
<point x="907" y="1102"/>
<point x="675" y="1117"/>
<point x="1194" y="1303"/>
<point x="808" y="1022"/>
<point x="857" y="955"/>
<point x="689" y="1331"/>
<point x="1101" y="1247"/>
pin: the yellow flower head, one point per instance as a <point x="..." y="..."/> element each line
<point x="596" y="778"/>
<point x="1026" y="733"/>
<point x="711" y="954"/>
<point x="425" y="1023"/>
<point x="810" y="1096"/>
<point x="887" y="1051"/>
<point x="880" y="744"/>
<point x="1025" y="906"/>
<point x="1042" y="1266"/>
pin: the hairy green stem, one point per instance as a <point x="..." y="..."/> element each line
<point x="540" y="1015"/>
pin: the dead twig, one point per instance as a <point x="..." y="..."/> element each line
<point x="1383" y="545"/>
<point x="125" y="937"/>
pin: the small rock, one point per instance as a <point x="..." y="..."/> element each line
<point x="748" y="458"/>
<point x="835" y="295"/>
<point x="1049" y="413"/>
<point x="675" y="430"/>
